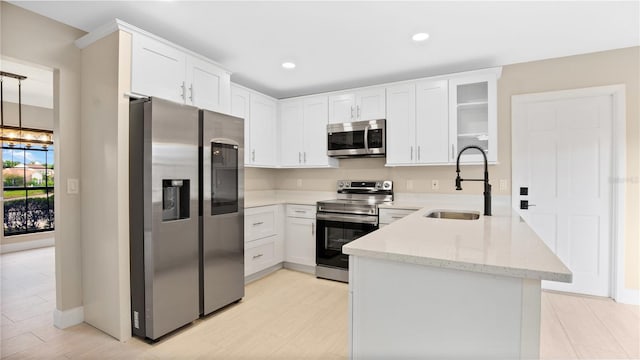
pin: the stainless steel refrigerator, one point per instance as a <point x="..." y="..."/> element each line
<point x="186" y="248"/>
<point x="222" y="215"/>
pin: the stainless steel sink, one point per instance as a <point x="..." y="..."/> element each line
<point x="456" y="215"/>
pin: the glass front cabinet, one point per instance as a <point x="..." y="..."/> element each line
<point x="473" y="117"/>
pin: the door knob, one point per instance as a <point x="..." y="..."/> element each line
<point x="524" y="204"/>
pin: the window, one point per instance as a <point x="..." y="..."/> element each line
<point x="27" y="175"/>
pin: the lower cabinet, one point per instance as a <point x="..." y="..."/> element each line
<point x="300" y="231"/>
<point x="263" y="241"/>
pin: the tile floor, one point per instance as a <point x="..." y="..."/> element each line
<point x="287" y="315"/>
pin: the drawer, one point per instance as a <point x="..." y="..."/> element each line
<point x="301" y="211"/>
<point x="260" y="223"/>
<point x="387" y="216"/>
<point x="259" y="255"/>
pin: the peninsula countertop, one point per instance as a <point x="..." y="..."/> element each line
<point x="502" y="244"/>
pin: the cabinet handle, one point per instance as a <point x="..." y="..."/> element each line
<point x="300" y="212"/>
<point x="191" y="92"/>
<point x="258" y="223"/>
<point x="257" y="256"/>
<point x="299" y="157"/>
<point x="418" y="153"/>
<point x="411" y="155"/>
<point x="313" y="228"/>
<point x="305" y="157"/>
<point x="351" y="112"/>
<point x="253" y="155"/>
<point x="358" y="112"/>
<point x="182" y="94"/>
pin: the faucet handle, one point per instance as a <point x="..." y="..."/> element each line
<point x="458" y="182"/>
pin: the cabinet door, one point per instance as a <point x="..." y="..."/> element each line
<point x="291" y="132"/>
<point x="401" y="124"/>
<point x="342" y="108"/>
<point x="263" y="131"/>
<point x="370" y="104"/>
<point x="208" y="85"/>
<point x="240" y="107"/>
<point x="472" y="117"/>
<point x="300" y="243"/>
<point x="157" y="69"/>
<point x="316" y="118"/>
<point x="432" y="122"/>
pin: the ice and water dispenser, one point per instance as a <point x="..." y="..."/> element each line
<point x="175" y="199"/>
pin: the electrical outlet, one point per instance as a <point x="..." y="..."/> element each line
<point x="299" y="183"/>
<point x="503" y="184"/>
<point x="435" y="184"/>
<point x="409" y="184"/>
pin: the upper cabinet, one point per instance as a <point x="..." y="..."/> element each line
<point x="169" y="72"/>
<point x="366" y="104"/>
<point x="303" y="133"/>
<point x="473" y="117"/>
<point x="260" y="124"/>
<point x="417" y="123"/>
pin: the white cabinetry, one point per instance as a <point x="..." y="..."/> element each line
<point x="259" y="114"/>
<point x="417" y="123"/>
<point x="367" y="104"/>
<point x="473" y="116"/>
<point x="263" y="245"/>
<point x="166" y="71"/>
<point x="300" y="235"/>
<point x="303" y="133"/>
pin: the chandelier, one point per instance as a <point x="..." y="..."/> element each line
<point x="18" y="135"/>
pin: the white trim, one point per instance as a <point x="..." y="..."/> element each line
<point x="618" y="174"/>
<point x="26" y="245"/>
<point x="118" y="24"/>
<point x="63" y="319"/>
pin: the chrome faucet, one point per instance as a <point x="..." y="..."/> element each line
<point x="487" y="186"/>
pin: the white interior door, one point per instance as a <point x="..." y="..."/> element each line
<point x="561" y="149"/>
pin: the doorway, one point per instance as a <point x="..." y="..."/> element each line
<point x="563" y="160"/>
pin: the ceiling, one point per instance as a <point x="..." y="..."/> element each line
<point x="338" y="45"/>
<point x="37" y="88"/>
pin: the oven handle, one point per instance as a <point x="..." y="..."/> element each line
<point x="366" y="138"/>
<point x="358" y="219"/>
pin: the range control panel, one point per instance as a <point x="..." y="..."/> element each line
<point x="372" y="185"/>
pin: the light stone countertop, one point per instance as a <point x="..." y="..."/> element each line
<point x="502" y="244"/>
<point x="266" y="198"/>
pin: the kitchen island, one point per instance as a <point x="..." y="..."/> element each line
<point x="449" y="289"/>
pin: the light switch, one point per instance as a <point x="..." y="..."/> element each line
<point x="73" y="186"/>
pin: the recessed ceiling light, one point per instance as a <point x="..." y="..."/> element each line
<point x="288" y="65"/>
<point x="420" y="37"/>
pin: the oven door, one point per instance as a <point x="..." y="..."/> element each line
<point x="335" y="230"/>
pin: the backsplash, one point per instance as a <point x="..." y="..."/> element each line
<point x="406" y="179"/>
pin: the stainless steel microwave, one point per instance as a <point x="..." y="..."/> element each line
<point x="358" y="138"/>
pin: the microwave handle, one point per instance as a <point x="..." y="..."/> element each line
<point x="366" y="138"/>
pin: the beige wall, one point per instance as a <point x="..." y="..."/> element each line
<point x="29" y="37"/>
<point x="33" y="117"/>
<point x="603" y="68"/>
<point x="105" y="194"/>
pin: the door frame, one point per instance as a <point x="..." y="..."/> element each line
<point x="617" y="173"/>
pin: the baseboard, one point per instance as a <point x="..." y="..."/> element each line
<point x="301" y="268"/>
<point x="628" y="296"/>
<point x="26" y="245"/>
<point x="262" y="273"/>
<point x="63" y="319"/>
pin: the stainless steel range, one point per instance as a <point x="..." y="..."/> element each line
<point x="353" y="214"/>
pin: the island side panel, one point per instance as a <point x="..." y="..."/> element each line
<point x="414" y="311"/>
<point x="531" y="310"/>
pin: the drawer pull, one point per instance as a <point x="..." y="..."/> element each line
<point x="397" y="217"/>
<point x="257" y="256"/>
<point x="301" y="212"/>
<point x="258" y="223"/>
